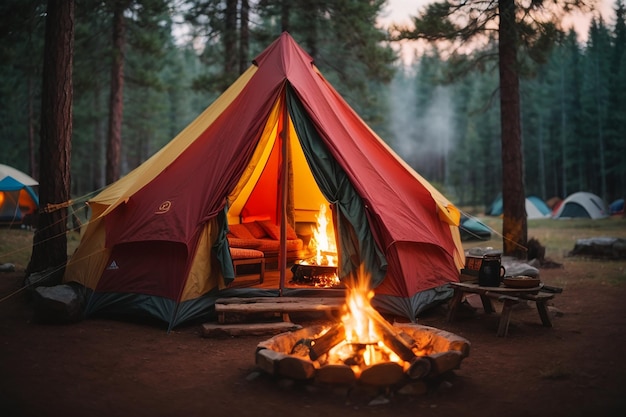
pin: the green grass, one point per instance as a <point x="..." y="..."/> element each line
<point x="16" y="246"/>
<point x="557" y="236"/>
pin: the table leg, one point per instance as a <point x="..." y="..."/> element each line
<point x="454" y="304"/>
<point x="543" y="313"/>
<point x="487" y="305"/>
<point x="505" y="317"/>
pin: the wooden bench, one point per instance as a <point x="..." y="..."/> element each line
<point x="541" y="300"/>
<point x="508" y="296"/>
<point x="248" y="257"/>
<point x="279" y="305"/>
<point x="508" y="302"/>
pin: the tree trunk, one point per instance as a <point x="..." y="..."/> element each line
<point x="50" y="241"/>
<point x="514" y="226"/>
<point x="284" y="16"/>
<point x="116" y="103"/>
<point x="309" y="27"/>
<point x="98" y="147"/>
<point x="230" y="41"/>
<point x="244" y="36"/>
<point x="563" y="130"/>
<point x="32" y="164"/>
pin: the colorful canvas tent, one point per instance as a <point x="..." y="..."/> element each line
<point x="473" y="229"/>
<point x="536" y="208"/>
<point x="17" y="197"/>
<point x="279" y="140"/>
<point x="584" y="205"/>
<point x="617" y="207"/>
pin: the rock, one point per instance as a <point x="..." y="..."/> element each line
<point x="536" y="250"/>
<point x="555" y="312"/>
<point x="445" y="386"/>
<point x="380" y="400"/>
<point x="600" y="247"/>
<point x="7" y="267"/>
<point x="58" y="304"/>
<point x="286" y="383"/>
<point x="253" y="375"/>
<point x="415" y="389"/>
<point x="48" y="277"/>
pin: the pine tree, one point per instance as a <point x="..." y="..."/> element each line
<point x="595" y="106"/>
<point x="50" y="241"/>
<point x="616" y="122"/>
<point x="519" y="27"/>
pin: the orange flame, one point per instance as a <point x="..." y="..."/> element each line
<point x="359" y="327"/>
<point x="323" y="241"/>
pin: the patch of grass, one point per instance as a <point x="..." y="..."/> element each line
<point x="16" y="246"/>
<point x="557" y="236"/>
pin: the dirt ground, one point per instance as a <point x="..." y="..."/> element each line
<point x="103" y="367"/>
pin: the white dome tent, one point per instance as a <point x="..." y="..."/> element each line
<point x="582" y="205"/>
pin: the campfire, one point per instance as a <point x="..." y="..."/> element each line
<point x="319" y="270"/>
<point x="363" y="347"/>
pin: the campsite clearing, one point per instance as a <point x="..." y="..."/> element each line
<point x="104" y="367"/>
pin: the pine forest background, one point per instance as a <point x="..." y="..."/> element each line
<point x="438" y="113"/>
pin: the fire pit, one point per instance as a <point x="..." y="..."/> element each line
<point x="363" y="348"/>
<point x="320" y="269"/>
<point x="426" y="352"/>
<point x="315" y="275"/>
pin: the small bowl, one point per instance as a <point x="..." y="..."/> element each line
<point x="521" y="281"/>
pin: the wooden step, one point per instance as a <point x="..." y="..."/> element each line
<point x="247" y="329"/>
<point x="280" y="305"/>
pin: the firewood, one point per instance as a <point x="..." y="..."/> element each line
<point x="324" y="343"/>
<point x="390" y="335"/>
<point x="419" y="368"/>
<point x="429" y="339"/>
<point x="267" y="360"/>
<point x="295" y="368"/>
<point x="336" y="374"/>
<point x="382" y="374"/>
<point x="444" y="361"/>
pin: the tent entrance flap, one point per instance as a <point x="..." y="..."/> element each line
<point x="256" y="196"/>
<point x="357" y="244"/>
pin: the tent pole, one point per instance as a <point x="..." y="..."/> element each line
<point x="282" y="257"/>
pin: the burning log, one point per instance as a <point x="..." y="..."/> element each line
<point x="335" y="335"/>
<point x="392" y="338"/>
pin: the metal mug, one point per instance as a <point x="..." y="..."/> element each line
<point x="491" y="273"/>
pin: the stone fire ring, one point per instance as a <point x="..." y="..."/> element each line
<point x="446" y="351"/>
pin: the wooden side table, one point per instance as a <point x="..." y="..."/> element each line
<point x="508" y="296"/>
